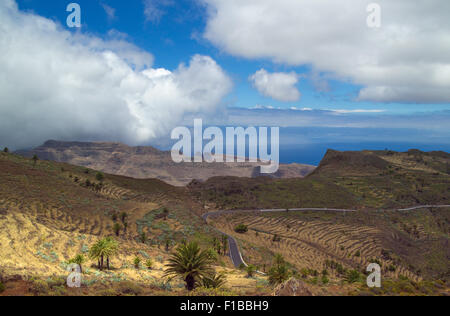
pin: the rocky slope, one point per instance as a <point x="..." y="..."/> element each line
<point x="148" y="162"/>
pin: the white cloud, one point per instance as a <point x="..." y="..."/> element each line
<point x="279" y="86"/>
<point x="63" y="85"/>
<point x="154" y="9"/>
<point x="110" y="11"/>
<point x="357" y="111"/>
<point x="406" y="60"/>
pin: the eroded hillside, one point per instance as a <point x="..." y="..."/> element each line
<point x="148" y="162"/>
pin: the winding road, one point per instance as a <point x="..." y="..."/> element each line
<point x="235" y="254"/>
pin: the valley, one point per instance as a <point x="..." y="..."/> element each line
<point x="50" y="212"/>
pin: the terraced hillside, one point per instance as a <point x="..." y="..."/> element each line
<point x="51" y="212"/>
<point x="411" y="244"/>
<point x="369" y="179"/>
<point x="406" y="244"/>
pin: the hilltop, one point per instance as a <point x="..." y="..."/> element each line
<point x="409" y="245"/>
<point x="367" y="179"/>
<point x="145" y="162"/>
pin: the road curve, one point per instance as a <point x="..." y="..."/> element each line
<point x="235" y="254"/>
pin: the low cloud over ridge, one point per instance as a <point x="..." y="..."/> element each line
<point x="62" y="85"/>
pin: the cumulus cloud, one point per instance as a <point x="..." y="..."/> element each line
<point x="279" y="86"/>
<point x="63" y="85"/>
<point x="406" y="60"/>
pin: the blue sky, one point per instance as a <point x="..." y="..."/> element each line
<point x="176" y="34"/>
<point x="136" y="69"/>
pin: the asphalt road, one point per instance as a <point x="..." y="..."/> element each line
<point x="235" y="254"/>
<point x="424" y="206"/>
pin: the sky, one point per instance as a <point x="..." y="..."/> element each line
<point x="136" y="69"/>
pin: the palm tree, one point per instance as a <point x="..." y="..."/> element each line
<point x="279" y="259"/>
<point x="97" y="252"/>
<point x="279" y="272"/>
<point x="213" y="281"/>
<point x="78" y="259"/>
<point x="123" y="217"/>
<point x="111" y="249"/>
<point x="143" y="237"/>
<point x="165" y="213"/>
<point x="189" y="262"/>
<point x="224" y="244"/>
<point x="104" y="248"/>
<point x="117" y="227"/>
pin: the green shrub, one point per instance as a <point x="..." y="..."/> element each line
<point x="241" y="229"/>
<point x="353" y="276"/>
<point x="59" y="291"/>
<point x="149" y="264"/>
<point x="213" y="281"/>
<point x="213" y="255"/>
<point x="108" y="292"/>
<point x="39" y="287"/>
<point x="251" y="269"/>
<point x="325" y="280"/>
<point x="2" y="287"/>
<point x="137" y="262"/>
<point x="100" y="176"/>
<point x="392" y="268"/>
<point x="56" y="281"/>
<point x="304" y="272"/>
<point x="129" y="288"/>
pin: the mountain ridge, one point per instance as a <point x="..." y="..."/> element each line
<point x="143" y="162"/>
